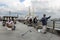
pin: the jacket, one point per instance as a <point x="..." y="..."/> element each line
<point x="44" y="20"/>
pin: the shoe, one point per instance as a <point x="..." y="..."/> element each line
<point x="44" y="32"/>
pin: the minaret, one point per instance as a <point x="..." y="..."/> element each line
<point x="29" y="12"/>
<point x="33" y="11"/>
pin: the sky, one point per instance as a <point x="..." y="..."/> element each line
<point x="43" y="6"/>
<point x="21" y="4"/>
<point x="14" y="4"/>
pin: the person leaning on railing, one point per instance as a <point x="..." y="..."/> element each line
<point x="44" y="22"/>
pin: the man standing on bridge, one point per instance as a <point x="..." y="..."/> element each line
<point x="44" y="22"/>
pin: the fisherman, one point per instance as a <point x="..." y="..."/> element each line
<point x="30" y="21"/>
<point x="35" y="20"/>
<point x="44" y="22"/>
<point x="10" y="24"/>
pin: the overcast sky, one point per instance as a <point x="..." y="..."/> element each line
<point x="21" y="4"/>
<point x="42" y="5"/>
<point x="14" y="4"/>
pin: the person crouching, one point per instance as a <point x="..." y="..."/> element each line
<point x="10" y="24"/>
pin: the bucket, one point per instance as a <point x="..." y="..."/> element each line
<point x="8" y="28"/>
<point x="39" y="30"/>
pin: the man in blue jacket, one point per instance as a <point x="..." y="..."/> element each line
<point x="44" y="22"/>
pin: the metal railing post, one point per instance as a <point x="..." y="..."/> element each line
<point x="53" y="26"/>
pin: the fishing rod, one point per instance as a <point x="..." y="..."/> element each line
<point x="26" y="32"/>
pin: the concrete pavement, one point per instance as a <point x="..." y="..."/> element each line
<point x="24" y="29"/>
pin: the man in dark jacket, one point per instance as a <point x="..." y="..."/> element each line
<point x="44" y="22"/>
<point x="35" y="20"/>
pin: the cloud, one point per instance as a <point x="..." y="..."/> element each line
<point x="49" y="7"/>
<point x="43" y="6"/>
<point x="2" y="4"/>
<point x="27" y="3"/>
<point x="50" y="4"/>
<point x="22" y="0"/>
<point x="14" y="4"/>
<point x="22" y="4"/>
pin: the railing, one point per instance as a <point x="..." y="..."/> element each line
<point x="55" y="25"/>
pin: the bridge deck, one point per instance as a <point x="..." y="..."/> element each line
<point x="28" y="35"/>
